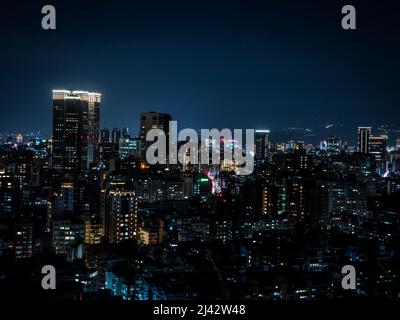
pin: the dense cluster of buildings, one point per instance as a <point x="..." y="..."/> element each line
<point x="86" y="201"/>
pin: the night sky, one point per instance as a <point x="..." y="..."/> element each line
<point x="237" y="64"/>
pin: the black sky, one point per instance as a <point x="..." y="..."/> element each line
<point x="236" y="64"/>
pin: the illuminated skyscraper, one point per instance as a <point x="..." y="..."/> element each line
<point x="75" y="130"/>
<point x="377" y="147"/>
<point x="262" y="145"/>
<point x="363" y="139"/>
<point x="93" y="104"/>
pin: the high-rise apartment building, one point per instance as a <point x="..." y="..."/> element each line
<point x="119" y="214"/>
<point x="67" y="234"/>
<point x="23" y="241"/>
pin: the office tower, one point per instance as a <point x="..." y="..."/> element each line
<point x="115" y="135"/>
<point x="108" y="151"/>
<point x="377" y="147"/>
<point x="202" y="187"/>
<point x="71" y="198"/>
<point x="261" y="145"/>
<point x="67" y="191"/>
<point x="119" y="214"/>
<point x="334" y="144"/>
<point x="129" y="147"/>
<point x="75" y="130"/>
<point x="69" y="142"/>
<point x="363" y="139"/>
<point x="153" y="120"/>
<point x="125" y="133"/>
<point x="23" y="241"/>
<point x="105" y="135"/>
<point x="93" y="102"/>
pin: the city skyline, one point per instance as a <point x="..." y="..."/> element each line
<point x="237" y="66"/>
<point x="282" y="135"/>
<point x="234" y="152"/>
<point x="307" y="134"/>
